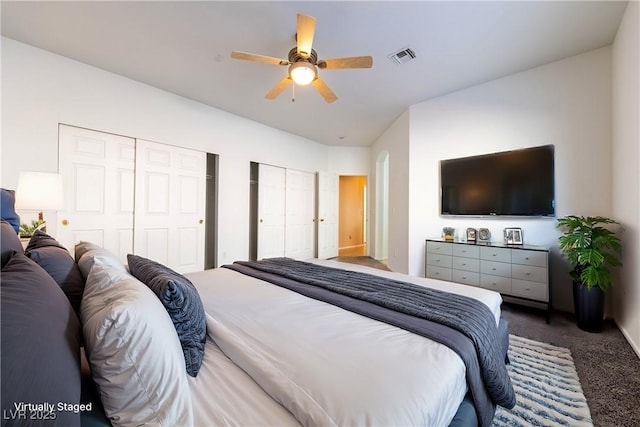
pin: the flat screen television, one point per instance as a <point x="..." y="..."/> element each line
<point x="510" y="183"/>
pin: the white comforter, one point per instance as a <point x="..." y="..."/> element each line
<point x="325" y="365"/>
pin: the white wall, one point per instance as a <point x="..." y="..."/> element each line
<point x="565" y="103"/>
<point x="349" y="160"/>
<point x="41" y="89"/>
<point x="626" y="164"/>
<point x="395" y="141"/>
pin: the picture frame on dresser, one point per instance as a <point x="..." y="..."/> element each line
<point x="513" y="236"/>
<point x="471" y="235"/>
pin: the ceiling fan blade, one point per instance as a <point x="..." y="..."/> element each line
<point x="277" y="89"/>
<point x="324" y="90"/>
<point x="350" y="62"/>
<point x="304" y="35"/>
<point x="258" y="58"/>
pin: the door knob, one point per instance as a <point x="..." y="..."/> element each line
<point x="65" y="222"/>
<point x="260" y="219"/>
<point x="201" y="221"/>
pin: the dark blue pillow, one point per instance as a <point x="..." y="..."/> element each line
<point x="7" y="208"/>
<point x="9" y="241"/>
<point x="40" y="343"/>
<point x="181" y="300"/>
<point x="58" y="262"/>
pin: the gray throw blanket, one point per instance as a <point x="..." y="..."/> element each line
<point x="465" y="316"/>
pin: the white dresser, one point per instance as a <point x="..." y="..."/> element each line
<point x="521" y="272"/>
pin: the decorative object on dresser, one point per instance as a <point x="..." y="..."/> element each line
<point x="471" y="234"/>
<point x="448" y="233"/>
<point x="513" y="236"/>
<point x="519" y="272"/>
<point x="484" y="235"/>
<point x="592" y="250"/>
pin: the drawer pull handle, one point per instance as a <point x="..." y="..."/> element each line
<point x="494" y="255"/>
<point x="527" y="258"/>
<point x="464" y="263"/>
<point x="494" y="284"/>
<point x="527" y="274"/>
<point x="494" y="269"/>
<point x="464" y="277"/>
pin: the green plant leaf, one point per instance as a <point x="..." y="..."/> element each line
<point x="590" y="249"/>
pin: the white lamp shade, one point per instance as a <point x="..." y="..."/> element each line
<point x="39" y="191"/>
<point x="302" y="72"/>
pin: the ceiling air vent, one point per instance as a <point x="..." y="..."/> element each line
<point x="402" y="56"/>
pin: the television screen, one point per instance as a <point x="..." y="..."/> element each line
<point x="511" y="183"/>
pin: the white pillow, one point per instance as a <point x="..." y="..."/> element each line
<point x="86" y="253"/>
<point x="135" y="356"/>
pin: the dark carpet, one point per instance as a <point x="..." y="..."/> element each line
<point x="608" y="368"/>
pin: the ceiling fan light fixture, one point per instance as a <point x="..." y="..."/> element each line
<point x="302" y="72"/>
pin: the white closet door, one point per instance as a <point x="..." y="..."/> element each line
<point x="328" y="187"/>
<point x="170" y="205"/>
<point x="300" y="215"/>
<point x="271" y="211"/>
<point x="98" y="174"/>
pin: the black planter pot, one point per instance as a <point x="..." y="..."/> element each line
<point x="589" y="307"/>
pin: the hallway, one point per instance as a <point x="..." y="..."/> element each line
<point x="360" y="250"/>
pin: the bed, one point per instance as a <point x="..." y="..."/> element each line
<point x="327" y="365"/>
<point x="265" y="355"/>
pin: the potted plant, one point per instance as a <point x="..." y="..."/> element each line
<point x="592" y="250"/>
<point x="449" y="233"/>
<point x="27" y="230"/>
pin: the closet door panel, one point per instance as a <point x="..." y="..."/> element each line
<point x="327" y="219"/>
<point x="97" y="170"/>
<point x="300" y="214"/>
<point x="170" y="205"/>
<point x="271" y="211"/>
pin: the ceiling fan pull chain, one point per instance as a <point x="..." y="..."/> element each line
<point x="293" y="92"/>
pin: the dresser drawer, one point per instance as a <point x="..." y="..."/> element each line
<point x="531" y="290"/>
<point x="439" y="248"/>
<point x="466" y="277"/>
<point x="496" y="283"/>
<point x="439" y="273"/>
<point x="439" y="260"/>
<point x="466" y="264"/>
<point x="524" y="257"/>
<point x="495" y="268"/>
<point x="495" y="254"/>
<point x="527" y="272"/>
<point x="466" y="251"/>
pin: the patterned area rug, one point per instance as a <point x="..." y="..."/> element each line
<point x="547" y="387"/>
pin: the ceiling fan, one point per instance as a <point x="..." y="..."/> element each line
<point x="303" y="62"/>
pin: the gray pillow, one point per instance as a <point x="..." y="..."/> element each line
<point x="58" y="262"/>
<point x="181" y="300"/>
<point x="9" y="241"/>
<point x="40" y="342"/>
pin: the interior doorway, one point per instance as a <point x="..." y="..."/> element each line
<point x="352" y="224"/>
<point x="382" y="208"/>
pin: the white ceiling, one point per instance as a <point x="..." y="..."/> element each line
<point x="184" y="47"/>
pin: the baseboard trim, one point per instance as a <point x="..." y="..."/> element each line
<point x="626" y="335"/>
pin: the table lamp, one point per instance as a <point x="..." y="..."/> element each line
<point x="39" y="191"/>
